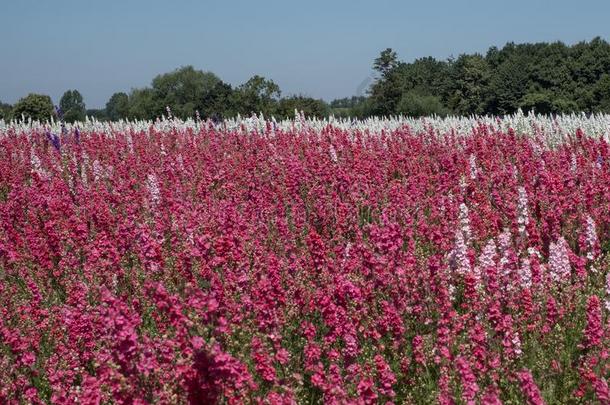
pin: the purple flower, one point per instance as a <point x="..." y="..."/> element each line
<point x="54" y="139"/>
<point x="59" y="112"/>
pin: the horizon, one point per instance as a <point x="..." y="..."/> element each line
<point x="64" y="46"/>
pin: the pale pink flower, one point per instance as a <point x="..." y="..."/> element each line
<point x="559" y="260"/>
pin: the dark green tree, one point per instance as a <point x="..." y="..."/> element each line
<point x="311" y="107"/>
<point x="386" y="61"/>
<point x="417" y="105"/>
<point x="356" y="106"/>
<point x="185" y="91"/>
<point x="601" y="94"/>
<point x="347" y="102"/>
<point x="118" y="106"/>
<point x="142" y="104"/>
<point x="386" y="91"/>
<point x="470" y="76"/>
<point x="97" y="113"/>
<point x="545" y="77"/>
<point x="38" y="107"/>
<point x="5" y="111"/>
<point x="539" y="102"/>
<point x="73" y="106"/>
<point x="219" y="102"/>
<point x="257" y="95"/>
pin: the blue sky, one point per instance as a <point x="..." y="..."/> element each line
<point x="323" y="49"/>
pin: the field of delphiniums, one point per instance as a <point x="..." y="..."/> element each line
<point x="450" y="261"/>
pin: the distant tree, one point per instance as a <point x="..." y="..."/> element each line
<point x="257" y="95"/>
<point x="386" y="61"/>
<point x="37" y="107"/>
<point x="545" y="77"/>
<point x="470" y="77"/>
<point x="218" y="102"/>
<point x="363" y="109"/>
<point x="417" y="105"/>
<point x="565" y="105"/>
<point x="311" y="107"/>
<point x="97" y="113"/>
<point x="185" y="91"/>
<point x="142" y="104"/>
<point x="507" y="86"/>
<point x="347" y="102"/>
<point x="5" y="111"/>
<point x="601" y="94"/>
<point x="538" y="102"/>
<point x="356" y="106"/>
<point x="386" y="92"/>
<point x="72" y="106"/>
<point x="387" y="89"/>
<point x="117" y="107"/>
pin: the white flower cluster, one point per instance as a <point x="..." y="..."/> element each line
<point x="37" y="165"/>
<point x="459" y="254"/>
<point x="153" y="189"/>
<point x="607" y="301"/>
<point x="591" y="238"/>
<point x="548" y="131"/>
<point x="523" y="219"/>
<point x="487" y="259"/>
<point x="474" y="170"/>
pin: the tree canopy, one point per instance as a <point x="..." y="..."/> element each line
<point x="548" y="78"/>
<point x="118" y="106"/>
<point x="33" y="106"/>
<point x="72" y="106"/>
<point x="5" y="111"/>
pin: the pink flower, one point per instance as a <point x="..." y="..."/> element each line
<point x="529" y="388"/>
<point x="594" y="331"/>
<point x="470" y="387"/>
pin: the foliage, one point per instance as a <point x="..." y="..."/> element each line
<point x="549" y="78"/>
<point x="142" y="103"/>
<point x="257" y="95"/>
<point x="117" y="108"/>
<point x="5" y="111"/>
<point x="72" y="106"/>
<point x="34" y="106"/>
<point x="311" y="107"/>
<point x="97" y="113"/>
<point x="184" y="90"/>
<point x="415" y="105"/>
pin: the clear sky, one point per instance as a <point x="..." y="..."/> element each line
<point x="322" y="49"/>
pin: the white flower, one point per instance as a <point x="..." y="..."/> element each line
<point x="591" y="238"/>
<point x="465" y="223"/>
<point x="333" y="153"/>
<point x="98" y="171"/>
<point x="153" y="189"/>
<point x="523" y="219"/>
<point x="36" y="164"/>
<point x="473" y="166"/>
<point x="608" y="292"/>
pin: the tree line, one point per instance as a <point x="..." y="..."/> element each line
<point x="548" y="78"/>
<point x="188" y="92"/>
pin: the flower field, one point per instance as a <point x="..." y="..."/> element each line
<point x="450" y="261"/>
